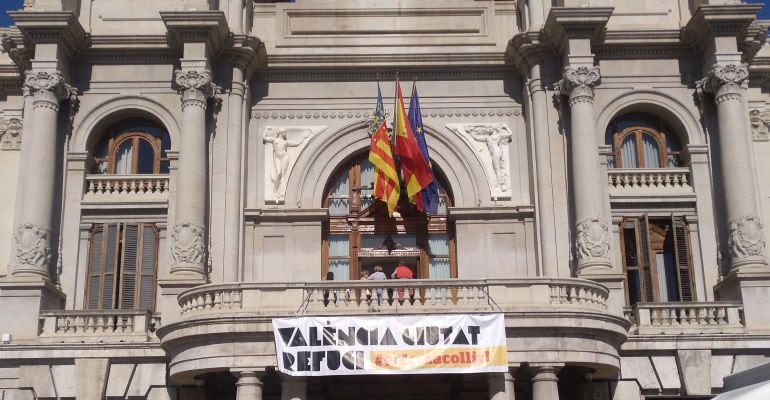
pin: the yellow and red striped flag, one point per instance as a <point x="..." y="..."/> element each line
<point x="415" y="169"/>
<point x="386" y="187"/>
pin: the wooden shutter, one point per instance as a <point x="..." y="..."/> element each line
<point x="129" y="259"/>
<point x="645" y="263"/>
<point x="95" y="268"/>
<point x="146" y="272"/>
<point x="682" y="253"/>
<point x="103" y="266"/>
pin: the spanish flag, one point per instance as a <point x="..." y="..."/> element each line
<point x="416" y="172"/>
<point x="386" y="187"/>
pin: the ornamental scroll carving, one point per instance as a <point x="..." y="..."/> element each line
<point x="31" y="246"/>
<point x="47" y="88"/>
<point x="10" y="134"/>
<point x="490" y="142"/>
<point x="746" y="238"/>
<point x="195" y="87"/>
<point x="724" y="81"/>
<point x="578" y="83"/>
<point x="283" y="144"/>
<point x="760" y="124"/>
<point x="187" y="244"/>
<point x="593" y="238"/>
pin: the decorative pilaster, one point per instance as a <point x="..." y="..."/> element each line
<point x="746" y="240"/>
<point x="32" y="236"/>
<point x="545" y="384"/>
<point x="249" y="386"/>
<point x="591" y="228"/>
<point x="188" y="235"/>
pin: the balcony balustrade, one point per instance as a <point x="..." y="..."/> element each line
<point x="657" y="181"/>
<point x="78" y="325"/>
<point x="683" y="318"/>
<point x="126" y="188"/>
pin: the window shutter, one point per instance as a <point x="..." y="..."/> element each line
<point x="682" y="252"/>
<point x="95" y="267"/>
<point x="129" y="263"/>
<point x="112" y="258"/>
<point x="146" y="273"/>
<point x="644" y="259"/>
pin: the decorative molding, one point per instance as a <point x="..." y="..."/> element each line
<point x="760" y="125"/>
<point x="187" y="246"/>
<point x="195" y="87"/>
<point x="47" y="88"/>
<point x="10" y="134"/>
<point x="592" y="239"/>
<point x="283" y="144"/>
<point x="746" y="238"/>
<point x="358" y="114"/>
<point x="483" y="72"/>
<point x="489" y="142"/>
<point x="578" y="84"/>
<point x="724" y="81"/>
<point x="31" y="246"/>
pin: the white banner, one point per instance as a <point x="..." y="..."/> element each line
<point x="415" y="344"/>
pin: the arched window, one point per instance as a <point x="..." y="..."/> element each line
<point x="360" y="234"/>
<point x="134" y="146"/>
<point x="642" y="141"/>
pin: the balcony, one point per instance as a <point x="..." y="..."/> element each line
<point x="98" y="326"/>
<point x="686" y="318"/>
<point x="649" y="182"/>
<point x="126" y="189"/>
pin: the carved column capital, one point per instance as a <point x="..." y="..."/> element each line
<point x="578" y="83"/>
<point x="195" y="87"/>
<point x="46" y="88"/>
<point x="724" y="81"/>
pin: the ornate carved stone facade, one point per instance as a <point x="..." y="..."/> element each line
<point x="489" y="141"/>
<point x="577" y="83"/>
<point x="196" y="87"/>
<point x="760" y="124"/>
<point x="31" y="246"/>
<point x="188" y="244"/>
<point x="283" y="144"/>
<point x="725" y="81"/>
<point x="47" y="88"/>
<point x="592" y="238"/>
<point x="10" y="134"/>
<point x="746" y="237"/>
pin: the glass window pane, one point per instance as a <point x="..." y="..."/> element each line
<point x="438" y="268"/>
<point x="146" y="161"/>
<point x="367" y="183"/>
<point x="339" y="194"/>
<point x="339" y="246"/>
<point x="651" y="152"/>
<point x="123" y="156"/>
<point x="634" y="289"/>
<point x="628" y="152"/>
<point x="438" y="244"/>
<point x="340" y="268"/>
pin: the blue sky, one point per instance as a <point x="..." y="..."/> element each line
<point x="6" y="5"/>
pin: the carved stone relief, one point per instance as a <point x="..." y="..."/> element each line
<point x="745" y="237"/>
<point x="283" y="144"/>
<point x="760" y="124"/>
<point x="10" y="134"/>
<point x="187" y="244"/>
<point x="489" y="142"/>
<point x="593" y="238"/>
<point x="31" y="246"/>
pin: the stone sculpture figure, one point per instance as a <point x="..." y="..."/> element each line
<point x="494" y="135"/>
<point x="10" y="134"/>
<point x="760" y="124"/>
<point x="281" y="144"/>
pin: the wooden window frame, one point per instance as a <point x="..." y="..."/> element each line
<point x="660" y="135"/>
<point x="118" y="134"/>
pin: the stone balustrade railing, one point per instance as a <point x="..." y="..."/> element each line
<point x="127" y="325"/>
<point x="649" y="181"/>
<point x="680" y="318"/>
<point x="126" y="188"/>
<point x="418" y="295"/>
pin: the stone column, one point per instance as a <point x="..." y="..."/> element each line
<point x="32" y="238"/>
<point x="501" y="386"/>
<point x="248" y="387"/>
<point x="188" y="252"/>
<point x="233" y="182"/>
<point x="746" y="240"/>
<point x="544" y="384"/>
<point x="591" y="227"/>
<point x="293" y="388"/>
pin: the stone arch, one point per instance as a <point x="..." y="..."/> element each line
<point x="671" y="110"/>
<point x="87" y="132"/>
<point x="326" y="152"/>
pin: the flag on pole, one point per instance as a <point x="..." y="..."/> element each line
<point x="429" y="195"/>
<point x="415" y="171"/>
<point x="386" y="187"/>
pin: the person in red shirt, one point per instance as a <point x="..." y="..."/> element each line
<point x="403" y="272"/>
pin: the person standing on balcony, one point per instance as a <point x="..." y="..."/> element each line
<point x="403" y="272"/>
<point x="327" y="292"/>
<point x="378" y="275"/>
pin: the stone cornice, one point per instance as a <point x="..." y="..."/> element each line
<point x="642" y="44"/>
<point x="490" y="72"/>
<point x="246" y="52"/>
<point x="710" y="21"/>
<point x="61" y="28"/>
<point x="564" y="23"/>
<point x="374" y="60"/>
<point x="528" y="48"/>
<point x="208" y="27"/>
<point x="752" y="40"/>
<point x="19" y="50"/>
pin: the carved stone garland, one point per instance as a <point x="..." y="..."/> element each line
<point x="31" y="246"/>
<point x="593" y="238"/>
<point x="760" y="125"/>
<point x="745" y="237"/>
<point x="188" y="244"/>
<point x="10" y="134"/>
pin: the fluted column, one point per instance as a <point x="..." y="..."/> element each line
<point x="32" y="237"/>
<point x="591" y="227"/>
<point x="746" y="240"/>
<point x="293" y="388"/>
<point x="501" y="386"/>
<point x="189" y="233"/>
<point x="545" y="384"/>
<point x="249" y="386"/>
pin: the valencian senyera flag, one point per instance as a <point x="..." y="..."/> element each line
<point x="414" y="168"/>
<point x="386" y="187"/>
<point x="429" y="195"/>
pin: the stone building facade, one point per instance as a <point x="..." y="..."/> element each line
<point x="180" y="172"/>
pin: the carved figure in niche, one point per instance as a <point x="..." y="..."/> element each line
<point x="495" y="135"/>
<point x="10" y="134"/>
<point x="760" y="124"/>
<point x="281" y="146"/>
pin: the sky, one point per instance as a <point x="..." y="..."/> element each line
<point x="6" y="5"/>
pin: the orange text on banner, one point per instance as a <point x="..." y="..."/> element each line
<point x="439" y="358"/>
